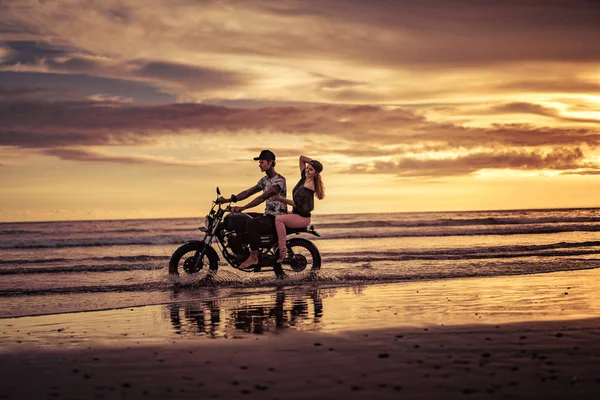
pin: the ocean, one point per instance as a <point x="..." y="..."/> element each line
<point x="73" y="266"/>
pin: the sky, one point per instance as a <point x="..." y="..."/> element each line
<point x="141" y="108"/>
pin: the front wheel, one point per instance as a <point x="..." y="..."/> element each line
<point x="302" y="255"/>
<point x="184" y="259"/>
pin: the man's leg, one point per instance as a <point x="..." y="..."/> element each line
<point x="265" y="224"/>
<point x="254" y="228"/>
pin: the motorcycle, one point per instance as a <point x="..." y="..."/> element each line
<point x="226" y="231"/>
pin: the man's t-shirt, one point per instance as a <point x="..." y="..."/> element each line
<point x="274" y="207"/>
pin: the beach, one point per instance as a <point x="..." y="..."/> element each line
<point x="522" y="336"/>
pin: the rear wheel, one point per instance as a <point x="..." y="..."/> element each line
<point x="184" y="259"/>
<point x="302" y="255"/>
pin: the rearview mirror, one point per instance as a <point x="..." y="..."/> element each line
<point x="218" y="191"/>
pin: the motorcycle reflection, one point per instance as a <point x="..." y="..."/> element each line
<point x="223" y="318"/>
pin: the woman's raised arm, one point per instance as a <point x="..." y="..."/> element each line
<point x="303" y="161"/>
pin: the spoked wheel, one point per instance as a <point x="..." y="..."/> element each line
<point x="183" y="261"/>
<point x="302" y="255"/>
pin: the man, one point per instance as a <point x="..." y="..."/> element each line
<point x="270" y="184"/>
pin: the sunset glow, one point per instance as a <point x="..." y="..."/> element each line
<point x="140" y="109"/>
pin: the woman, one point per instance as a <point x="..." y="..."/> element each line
<point x="303" y="201"/>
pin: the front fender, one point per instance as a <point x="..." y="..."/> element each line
<point x="209" y="251"/>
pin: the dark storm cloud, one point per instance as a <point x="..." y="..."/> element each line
<point x="120" y="13"/>
<point x="85" y="155"/>
<point x="24" y="139"/>
<point x="448" y="32"/>
<point x="74" y="64"/>
<point x="65" y="60"/>
<point x="22" y="91"/>
<point x="70" y="60"/>
<point x="403" y="34"/>
<point x="196" y="77"/>
<point x="64" y="129"/>
<point x="561" y="159"/>
<point x="112" y="123"/>
<point x="30" y="52"/>
<point x="335" y="83"/>
<point x="81" y="86"/>
<point x="509" y="135"/>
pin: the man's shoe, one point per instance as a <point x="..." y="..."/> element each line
<point x="249" y="263"/>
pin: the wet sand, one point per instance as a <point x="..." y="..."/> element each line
<point x="523" y="337"/>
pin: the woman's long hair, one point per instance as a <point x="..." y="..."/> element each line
<point x="319" y="187"/>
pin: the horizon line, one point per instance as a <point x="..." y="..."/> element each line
<point x="325" y="214"/>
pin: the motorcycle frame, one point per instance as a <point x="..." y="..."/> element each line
<point x="216" y="218"/>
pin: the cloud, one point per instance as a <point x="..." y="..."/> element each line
<point x="47" y="58"/>
<point x="72" y="87"/>
<point x="560" y="159"/>
<point x="29" y="52"/>
<point x="56" y="124"/>
<point x="197" y="77"/>
<point x="385" y="32"/>
<point x="552" y="85"/>
<point x="583" y="172"/>
<point x="384" y="51"/>
<point x="456" y="32"/>
<point x="72" y="154"/>
<point x="537" y="109"/>
<point x="23" y="91"/>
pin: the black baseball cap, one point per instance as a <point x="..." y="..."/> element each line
<point x="266" y="155"/>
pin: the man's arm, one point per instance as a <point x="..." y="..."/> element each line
<point x="248" y="192"/>
<point x="275" y="189"/>
<point x="241" y="196"/>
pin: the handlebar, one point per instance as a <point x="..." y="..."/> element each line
<point x="232" y="199"/>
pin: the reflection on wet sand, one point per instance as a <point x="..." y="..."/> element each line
<point x="221" y="318"/>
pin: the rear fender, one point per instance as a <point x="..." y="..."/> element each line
<point x="310" y="230"/>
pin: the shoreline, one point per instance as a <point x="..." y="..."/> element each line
<point x="190" y="292"/>
<point x="532" y="336"/>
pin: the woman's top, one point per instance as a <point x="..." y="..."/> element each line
<point x="304" y="198"/>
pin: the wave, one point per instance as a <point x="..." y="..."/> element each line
<point x="93" y="242"/>
<point x="358" y="274"/>
<point x="105" y="230"/>
<point x="355" y="221"/>
<point x="130" y="263"/>
<point x="81" y="268"/>
<point x="92" y="259"/>
<point x="457" y="222"/>
<point x="356" y="234"/>
<point x="517" y="230"/>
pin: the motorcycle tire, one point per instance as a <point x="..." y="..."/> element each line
<point x="303" y="254"/>
<point x="181" y="264"/>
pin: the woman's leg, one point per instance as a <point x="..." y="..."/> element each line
<point x="291" y="221"/>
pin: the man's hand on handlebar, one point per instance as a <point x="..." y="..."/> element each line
<point x="232" y="199"/>
<point x="222" y="199"/>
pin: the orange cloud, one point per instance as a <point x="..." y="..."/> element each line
<point x="566" y="159"/>
<point x="59" y="124"/>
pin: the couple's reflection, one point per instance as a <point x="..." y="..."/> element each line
<point x="259" y="314"/>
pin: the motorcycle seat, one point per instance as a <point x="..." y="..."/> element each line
<point x="291" y="231"/>
<point x="306" y="229"/>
